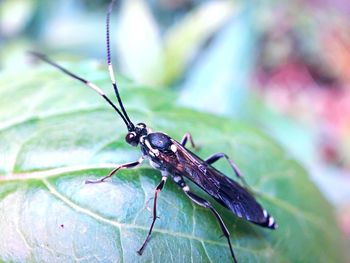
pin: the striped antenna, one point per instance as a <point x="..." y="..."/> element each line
<point x="109" y="62"/>
<point x="89" y="84"/>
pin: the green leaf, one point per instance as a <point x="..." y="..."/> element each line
<point x="161" y="61"/>
<point x="185" y="38"/>
<point x="55" y="134"/>
<point x="141" y="62"/>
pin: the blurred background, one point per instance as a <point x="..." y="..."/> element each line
<point x="282" y="67"/>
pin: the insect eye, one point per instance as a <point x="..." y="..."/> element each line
<point x="131" y="138"/>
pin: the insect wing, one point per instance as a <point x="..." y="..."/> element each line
<point x="222" y="188"/>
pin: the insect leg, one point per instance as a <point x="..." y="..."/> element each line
<point x="156" y="192"/>
<point x="119" y="167"/>
<point x="216" y="156"/>
<point x="204" y="203"/>
<point x="187" y="137"/>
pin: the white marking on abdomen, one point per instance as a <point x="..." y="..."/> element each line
<point x="265" y="213"/>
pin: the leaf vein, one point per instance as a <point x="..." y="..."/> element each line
<point x="97" y="217"/>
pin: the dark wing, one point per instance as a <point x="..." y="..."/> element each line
<point x="222" y="188"/>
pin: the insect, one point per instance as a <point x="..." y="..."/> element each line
<point x="175" y="161"/>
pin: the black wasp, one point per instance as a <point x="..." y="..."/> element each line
<point x="174" y="160"/>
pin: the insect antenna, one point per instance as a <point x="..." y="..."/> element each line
<point x="109" y="62"/>
<point x="89" y="84"/>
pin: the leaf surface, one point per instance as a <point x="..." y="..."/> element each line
<point x="55" y="134"/>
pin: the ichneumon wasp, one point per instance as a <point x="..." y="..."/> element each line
<point x="174" y="160"/>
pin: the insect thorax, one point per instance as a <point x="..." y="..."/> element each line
<point x="156" y="146"/>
